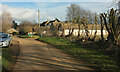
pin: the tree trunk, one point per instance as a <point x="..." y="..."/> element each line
<point x="102" y="27"/>
<point x="105" y="22"/>
<point x="62" y="33"/>
<point x="79" y="31"/>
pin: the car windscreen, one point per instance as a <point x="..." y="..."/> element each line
<point x="3" y="35"/>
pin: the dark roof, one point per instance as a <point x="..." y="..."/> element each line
<point x="44" y="23"/>
<point x="57" y="20"/>
<point x="75" y="26"/>
<point x="49" y="22"/>
<point x="54" y="20"/>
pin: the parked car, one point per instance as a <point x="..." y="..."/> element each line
<point x="1" y="32"/>
<point x="5" y="40"/>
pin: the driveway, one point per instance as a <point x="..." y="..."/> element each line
<point x="35" y="55"/>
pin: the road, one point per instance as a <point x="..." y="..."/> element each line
<point x="35" y="55"/>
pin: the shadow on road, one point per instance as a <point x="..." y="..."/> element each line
<point x="37" y="56"/>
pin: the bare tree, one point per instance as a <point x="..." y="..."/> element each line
<point x="79" y="22"/>
<point x="102" y="27"/>
<point x="25" y="27"/>
<point x="95" y="23"/>
<point x="116" y="3"/>
<point x="112" y="25"/>
<point x="119" y="5"/>
<point x="7" y="22"/>
<point x="54" y="27"/>
<point x="85" y="25"/>
<point x="73" y="13"/>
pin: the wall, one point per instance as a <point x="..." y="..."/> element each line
<point x="82" y="32"/>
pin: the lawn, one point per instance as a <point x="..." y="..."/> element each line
<point x="97" y="58"/>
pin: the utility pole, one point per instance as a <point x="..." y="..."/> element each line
<point x="39" y="18"/>
<point x="40" y="30"/>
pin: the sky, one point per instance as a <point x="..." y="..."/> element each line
<point x="28" y="10"/>
<point x="58" y="0"/>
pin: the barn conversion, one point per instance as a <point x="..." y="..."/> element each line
<point x="66" y="28"/>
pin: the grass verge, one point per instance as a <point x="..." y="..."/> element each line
<point x="7" y="59"/>
<point x="9" y="56"/>
<point x="27" y="36"/>
<point x="98" y="58"/>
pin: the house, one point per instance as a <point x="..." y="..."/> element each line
<point x="44" y="23"/>
<point x="91" y="28"/>
<point x="12" y="30"/>
<point x="67" y="28"/>
<point x="48" y="23"/>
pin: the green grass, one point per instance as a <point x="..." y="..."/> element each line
<point x="97" y="58"/>
<point x="26" y="36"/>
<point x="7" y="58"/>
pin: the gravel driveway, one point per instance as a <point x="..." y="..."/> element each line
<point x="35" y="55"/>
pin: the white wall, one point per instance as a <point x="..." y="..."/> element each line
<point x="83" y="32"/>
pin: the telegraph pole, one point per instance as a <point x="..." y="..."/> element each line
<point x="40" y="30"/>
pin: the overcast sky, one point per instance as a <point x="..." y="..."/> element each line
<point x="49" y="10"/>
